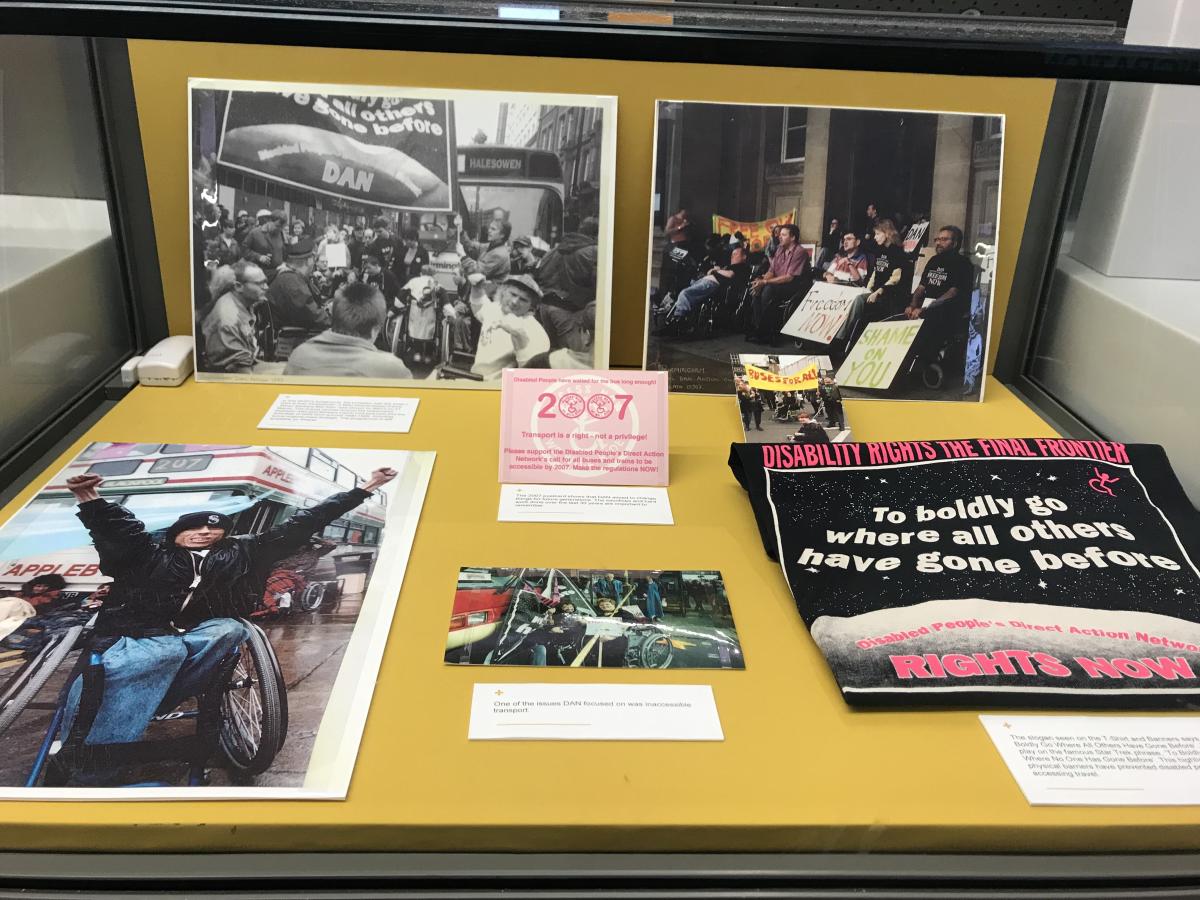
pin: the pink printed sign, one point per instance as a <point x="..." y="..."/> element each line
<point x="583" y="427"/>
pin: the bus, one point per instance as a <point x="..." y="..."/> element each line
<point x="523" y="183"/>
<point x="259" y="487"/>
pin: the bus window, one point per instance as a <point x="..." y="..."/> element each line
<point x="370" y="535"/>
<point x="322" y="464"/>
<point x="335" y="533"/>
<point x="355" y="536"/>
<point x="172" y="449"/>
<point x="345" y="477"/>
<point x="42" y="527"/>
<point x="531" y="209"/>
<point x="116" y="467"/>
<point x="116" y="451"/>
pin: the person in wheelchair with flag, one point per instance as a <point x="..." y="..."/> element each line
<point x="174" y="617"/>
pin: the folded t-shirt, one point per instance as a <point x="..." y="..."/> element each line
<point x="1018" y="572"/>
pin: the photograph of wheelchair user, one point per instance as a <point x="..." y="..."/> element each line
<point x="754" y="204"/>
<point x="165" y="600"/>
<point x="789" y="398"/>
<point x="573" y="618"/>
<point x="350" y="234"/>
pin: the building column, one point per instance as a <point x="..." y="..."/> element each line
<point x="951" y="173"/>
<point x="816" y="168"/>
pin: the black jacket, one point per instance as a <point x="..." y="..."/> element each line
<point x="151" y="581"/>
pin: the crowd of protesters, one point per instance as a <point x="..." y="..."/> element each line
<point x="759" y="289"/>
<point x="813" y="410"/>
<point x="380" y="302"/>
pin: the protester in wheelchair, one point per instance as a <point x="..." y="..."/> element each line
<point x="943" y="297"/>
<point x="348" y="348"/>
<point x="170" y="620"/>
<point x="732" y="277"/>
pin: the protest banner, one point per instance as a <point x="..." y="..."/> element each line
<point x="822" y="312"/>
<point x="757" y="233"/>
<point x="396" y="152"/>
<point x="876" y="356"/>
<point x="765" y="380"/>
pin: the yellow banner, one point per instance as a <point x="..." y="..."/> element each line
<point x="757" y="233"/>
<point x="766" y="380"/>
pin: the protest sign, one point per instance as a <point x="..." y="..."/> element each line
<point x="877" y="355"/>
<point x="395" y="152"/>
<point x="766" y="380"/>
<point x="822" y="312"/>
<point x="757" y="233"/>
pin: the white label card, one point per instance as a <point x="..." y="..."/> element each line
<point x="1101" y="760"/>
<point x="574" y="503"/>
<point x="319" y="412"/>
<point x="594" y="712"/>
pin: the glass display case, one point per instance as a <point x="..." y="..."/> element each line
<point x="1056" y="134"/>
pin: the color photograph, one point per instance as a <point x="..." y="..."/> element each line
<point x="789" y="398"/>
<point x="376" y="235"/>
<point x="810" y="230"/>
<point x="199" y="621"/>
<point x="592" y="618"/>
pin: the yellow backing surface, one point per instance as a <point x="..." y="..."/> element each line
<point x="798" y="770"/>
<point x="161" y="70"/>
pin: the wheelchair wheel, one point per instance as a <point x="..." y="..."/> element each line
<point x="254" y="707"/>
<point x="25" y="684"/>
<point x="656" y="652"/>
<point x="313" y="596"/>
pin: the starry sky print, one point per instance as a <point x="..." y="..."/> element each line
<point x="809" y="502"/>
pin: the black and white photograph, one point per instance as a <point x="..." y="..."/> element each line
<point x="374" y="235"/>
<point x="199" y="621"/>
<point x="789" y="398"/>
<point x="592" y="618"/>
<point x="793" y="228"/>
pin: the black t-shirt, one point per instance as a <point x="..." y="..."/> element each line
<point x="1009" y="572"/>
<point x="741" y="274"/>
<point x="947" y="270"/>
<point x="887" y="260"/>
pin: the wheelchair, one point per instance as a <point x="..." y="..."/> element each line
<point x="398" y="338"/>
<point x="243" y="715"/>
<point x="276" y="343"/>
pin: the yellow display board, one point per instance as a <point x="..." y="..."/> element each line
<point x="161" y="70"/>
<point x="798" y="769"/>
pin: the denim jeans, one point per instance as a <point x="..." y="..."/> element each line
<point x="143" y="676"/>
<point x="694" y="294"/>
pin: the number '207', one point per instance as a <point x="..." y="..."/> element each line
<point x="548" y="402"/>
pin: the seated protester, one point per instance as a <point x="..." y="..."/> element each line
<point x="230" y="342"/>
<point x="510" y="334"/>
<point x="559" y="638"/>
<point x="347" y="349"/>
<point x="422" y="322"/>
<point x="943" y="298"/>
<point x="850" y="266"/>
<point x="292" y="295"/>
<point x="608" y="652"/>
<point x="381" y="278"/>
<point x="172" y="618"/>
<point x="23" y="614"/>
<point x="567" y="277"/>
<point x="808" y="430"/>
<point x="891" y="276"/>
<point x="789" y="274"/>
<point x="733" y="276"/>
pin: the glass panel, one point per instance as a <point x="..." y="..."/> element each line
<point x="1118" y="341"/>
<point x="64" y="320"/>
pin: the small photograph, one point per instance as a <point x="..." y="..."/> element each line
<point x="800" y="229"/>
<point x="594" y="618"/>
<point x="199" y="621"/>
<point x="789" y="398"/>
<point x="348" y="234"/>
